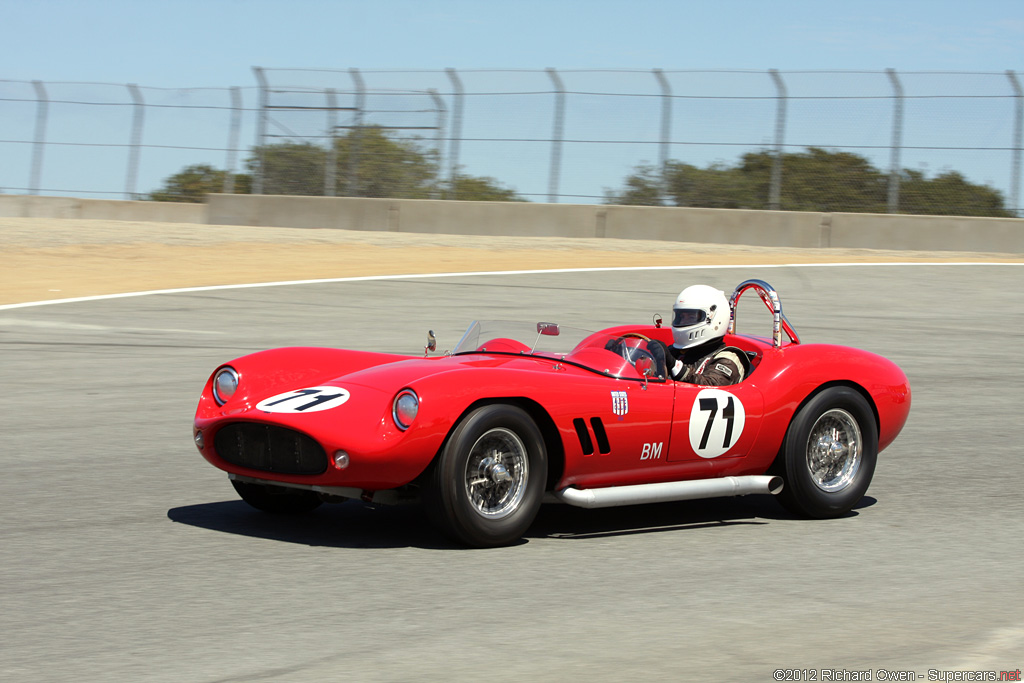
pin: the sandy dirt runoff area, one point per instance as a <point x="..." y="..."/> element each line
<point x="46" y="259"/>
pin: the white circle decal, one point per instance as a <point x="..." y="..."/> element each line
<point x="716" y="422"/>
<point x="311" y="400"/>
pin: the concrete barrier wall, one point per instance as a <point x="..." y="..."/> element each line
<point x="28" y="206"/>
<point x="719" y="226"/>
<point x="926" y="233"/>
<point x="722" y="226"/>
<point x="761" y="228"/>
<point x="405" y="215"/>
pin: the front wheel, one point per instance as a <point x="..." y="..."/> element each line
<point x="276" y="499"/>
<point x="486" y="486"/>
<point x="829" y="453"/>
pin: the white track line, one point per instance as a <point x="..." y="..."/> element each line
<point x="378" y="278"/>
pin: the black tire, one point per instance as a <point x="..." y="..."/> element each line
<point x="486" y="485"/>
<point x="828" y="456"/>
<point x="277" y="499"/>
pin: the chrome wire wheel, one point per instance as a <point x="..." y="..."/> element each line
<point x="485" y="487"/>
<point x="829" y="454"/>
<point x="834" y="450"/>
<point x="497" y="472"/>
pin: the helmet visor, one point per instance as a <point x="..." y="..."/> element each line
<point x="685" y="317"/>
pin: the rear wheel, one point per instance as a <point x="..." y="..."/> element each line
<point x="276" y="499"/>
<point x="486" y="486"/>
<point x="829" y="454"/>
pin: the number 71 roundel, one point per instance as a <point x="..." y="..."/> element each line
<point x="716" y="422"/>
<point x="311" y="400"/>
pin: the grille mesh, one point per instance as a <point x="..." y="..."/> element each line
<point x="270" y="448"/>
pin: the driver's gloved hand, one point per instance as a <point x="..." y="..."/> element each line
<point x="659" y="352"/>
<point x="614" y="345"/>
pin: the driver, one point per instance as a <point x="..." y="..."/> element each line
<point x="700" y="318"/>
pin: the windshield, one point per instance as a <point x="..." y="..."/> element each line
<point x="627" y="356"/>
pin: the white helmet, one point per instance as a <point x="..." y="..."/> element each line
<point x="700" y="314"/>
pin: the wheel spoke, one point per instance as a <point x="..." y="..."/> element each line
<point x="833" y="450"/>
<point x="496" y="473"/>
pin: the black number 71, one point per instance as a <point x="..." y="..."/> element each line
<point x="728" y="414"/>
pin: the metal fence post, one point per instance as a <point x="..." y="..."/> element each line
<point x="261" y="132"/>
<point x="775" y="188"/>
<point x="38" y="147"/>
<point x="438" y="138"/>
<point x="331" y="170"/>
<point x="1018" y="133"/>
<point x="355" y="137"/>
<point x="556" y="142"/>
<point x="897" y="142"/>
<point x="135" y="145"/>
<point x="233" y="134"/>
<point x="666" y="129"/>
<point x="456" y="134"/>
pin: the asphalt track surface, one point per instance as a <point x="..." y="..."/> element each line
<point x="125" y="556"/>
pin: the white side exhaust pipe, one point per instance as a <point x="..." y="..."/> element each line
<point x="669" y="491"/>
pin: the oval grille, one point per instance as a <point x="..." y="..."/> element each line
<point x="270" y="448"/>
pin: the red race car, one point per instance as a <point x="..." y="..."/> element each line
<point x="516" y="415"/>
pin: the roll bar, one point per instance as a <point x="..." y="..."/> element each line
<point x="771" y="299"/>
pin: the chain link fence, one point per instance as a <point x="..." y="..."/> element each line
<point x="549" y="136"/>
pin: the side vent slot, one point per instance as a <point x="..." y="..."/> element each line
<point x="584" y="436"/>
<point x="602" y="436"/>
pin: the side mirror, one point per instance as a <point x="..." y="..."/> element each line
<point x="431" y="343"/>
<point x="547" y="329"/>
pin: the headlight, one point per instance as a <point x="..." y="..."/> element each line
<point x="405" y="408"/>
<point x="225" y="384"/>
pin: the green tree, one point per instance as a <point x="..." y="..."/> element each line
<point x="819" y="180"/>
<point x="479" y="189"/>
<point x="948" y="193"/>
<point x="715" y="187"/>
<point x="369" y="163"/>
<point x="384" y="166"/>
<point x="293" y="168"/>
<point x="193" y="183"/>
<point x="813" y="180"/>
<point x="643" y="188"/>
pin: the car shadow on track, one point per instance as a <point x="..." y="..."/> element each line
<point x="355" y="524"/>
<point x="352" y="524"/>
<point x="566" y="522"/>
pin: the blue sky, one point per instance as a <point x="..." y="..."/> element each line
<point x="177" y="44"/>
<point x="193" y="43"/>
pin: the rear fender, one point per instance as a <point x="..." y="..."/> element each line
<point x="793" y="375"/>
<point x="827" y="385"/>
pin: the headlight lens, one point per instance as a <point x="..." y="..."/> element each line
<point x="225" y="384"/>
<point x="406" y="406"/>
